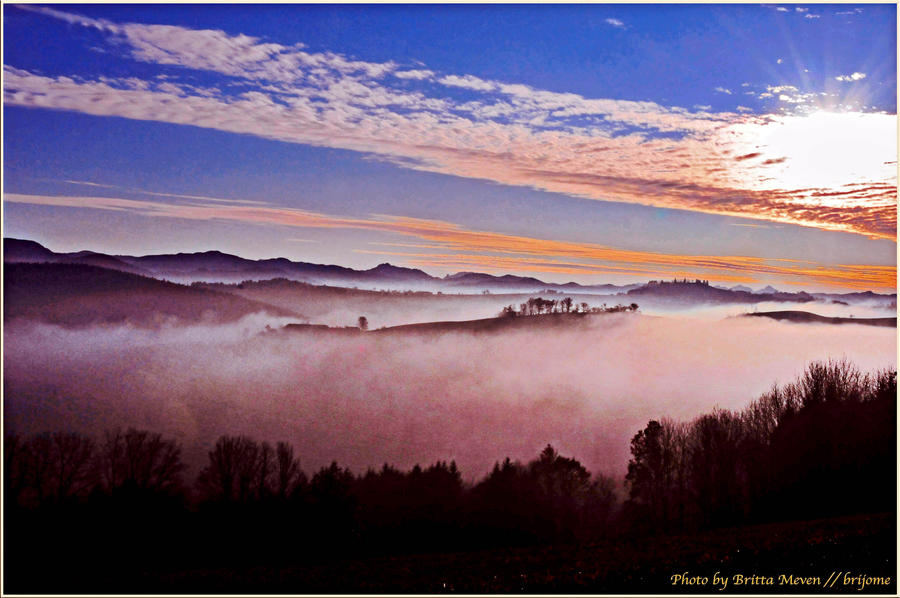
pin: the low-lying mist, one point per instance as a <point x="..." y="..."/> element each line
<point x="367" y="399"/>
<point x="823" y="308"/>
<point x="343" y="307"/>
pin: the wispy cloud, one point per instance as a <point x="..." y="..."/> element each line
<point x="493" y="250"/>
<point x="418" y="74"/>
<point x="615" y="23"/>
<point x="598" y="148"/>
<point x="722" y="90"/>
<point x="851" y="77"/>
<point x="468" y="82"/>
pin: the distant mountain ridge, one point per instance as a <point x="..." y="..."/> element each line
<point x="216" y="266"/>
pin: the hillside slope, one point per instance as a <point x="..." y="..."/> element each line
<point x="81" y="295"/>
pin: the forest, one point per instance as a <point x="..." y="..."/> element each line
<point x="820" y="447"/>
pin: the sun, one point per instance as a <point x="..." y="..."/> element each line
<point x="819" y="150"/>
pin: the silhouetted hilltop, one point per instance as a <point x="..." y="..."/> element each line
<point x="20" y="251"/>
<point x="484" y="325"/>
<point x="216" y="266"/>
<point x="811" y="318"/>
<point x="699" y="291"/>
<point x="481" y="280"/>
<point x="860" y="297"/>
<point x="81" y="295"/>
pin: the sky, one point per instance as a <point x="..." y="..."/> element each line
<point x="743" y="144"/>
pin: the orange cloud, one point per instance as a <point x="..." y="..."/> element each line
<point x="825" y="170"/>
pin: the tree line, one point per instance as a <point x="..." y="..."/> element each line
<point x="536" y="306"/>
<point x="823" y="445"/>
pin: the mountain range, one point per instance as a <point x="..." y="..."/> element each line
<point x="216" y="266"/>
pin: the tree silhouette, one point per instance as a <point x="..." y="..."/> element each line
<point x="650" y="472"/>
<point x="58" y="467"/>
<point x="139" y="460"/>
<point x="239" y="470"/>
<point x="289" y="478"/>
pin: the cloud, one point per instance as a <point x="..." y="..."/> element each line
<point x="799" y="9"/>
<point x="722" y="90"/>
<point x="615" y="23"/>
<point x="599" y="148"/>
<point x="781" y="9"/>
<point x="468" y="82"/>
<point x="492" y="250"/>
<point x="811" y="16"/>
<point x="779" y="61"/>
<point x="852" y="77"/>
<point x="414" y="74"/>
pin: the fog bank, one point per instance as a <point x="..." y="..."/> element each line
<point x="367" y="399"/>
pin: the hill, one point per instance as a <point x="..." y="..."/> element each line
<point x="694" y="292"/>
<point x="216" y="266"/>
<point x="811" y="318"/>
<point x="480" y="326"/>
<point x="81" y="295"/>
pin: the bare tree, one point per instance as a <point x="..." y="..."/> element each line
<point x="141" y="460"/>
<point x="58" y="466"/>
<point x="288" y="475"/>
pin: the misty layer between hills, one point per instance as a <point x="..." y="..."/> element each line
<point x="367" y="399"/>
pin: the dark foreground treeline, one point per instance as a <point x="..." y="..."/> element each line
<point x="824" y="445"/>
<point x="106" y="513"/>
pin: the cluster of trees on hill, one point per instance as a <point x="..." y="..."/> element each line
<point x="538" y="305"/>
<point x="821" y="446"/>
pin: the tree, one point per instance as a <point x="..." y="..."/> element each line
<point x="651" y="472"/>
<point x="139" y="460"/>
<point x="567" y="304"/>
<point x="58" y="467"/>
<point x="715" y="467"/>
<point x="288" y="475"/>
<point x="239" y="470"/>
<point x="363" y="323"/>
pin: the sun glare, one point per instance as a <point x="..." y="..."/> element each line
<point x="819" y="150"/>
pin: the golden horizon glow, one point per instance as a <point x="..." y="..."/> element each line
<point x="516" y="252"/>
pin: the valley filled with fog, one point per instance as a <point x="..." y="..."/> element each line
<point x="365" y="399"/>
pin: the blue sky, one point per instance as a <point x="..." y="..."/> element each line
<point x="749" y="143"/>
